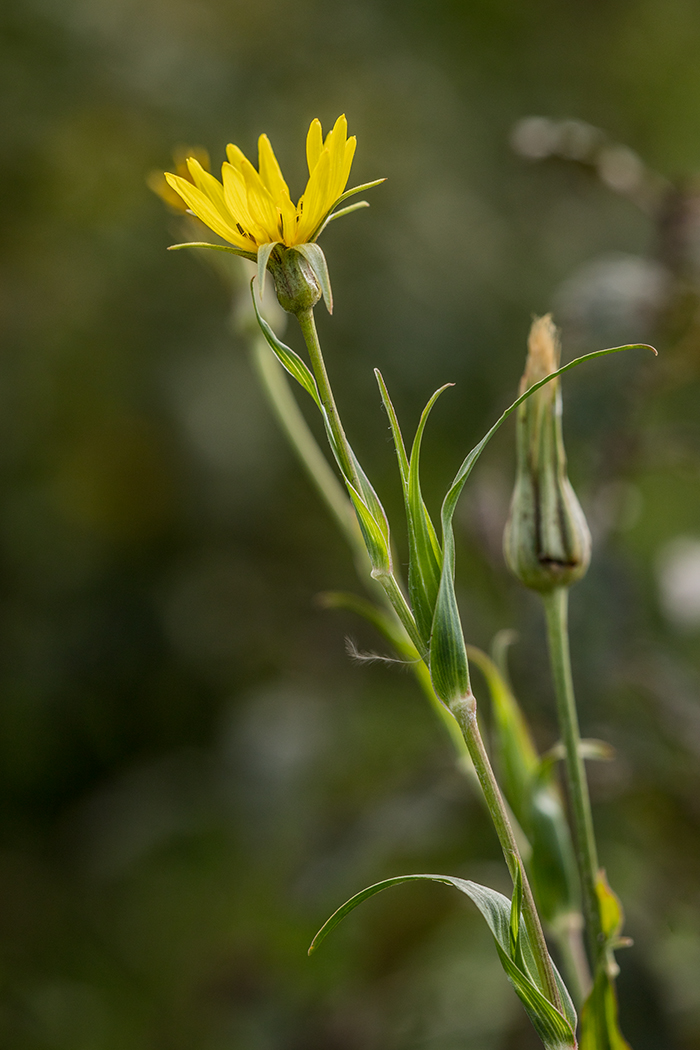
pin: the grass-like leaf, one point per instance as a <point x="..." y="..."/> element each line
<point x="554" y="1028"/>
<point x="215" y="247"/>
<point x="425" y="556"/>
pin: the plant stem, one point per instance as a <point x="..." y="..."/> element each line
<point x="308" y="328"/>
<point x="556" y="612"/>
<point x="465" y="713"/>
<point x="347" y="463"/>
<point x="289" y="416"/>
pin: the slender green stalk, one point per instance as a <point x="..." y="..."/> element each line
<point x="387" y="579"/>
<point x="465" y="713"/>
<point x="308" y="328"/>
<point x="556" y="612"/>
<point x="298" y="433"/>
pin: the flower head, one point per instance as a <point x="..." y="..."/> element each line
<point x="251" y="209"/>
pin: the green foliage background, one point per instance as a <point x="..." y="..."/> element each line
<point x="193" y="773"/>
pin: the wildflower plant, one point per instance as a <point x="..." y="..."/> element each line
<point x="547" y="546"/>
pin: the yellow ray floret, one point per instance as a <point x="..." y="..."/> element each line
<point x="250" y="208"/>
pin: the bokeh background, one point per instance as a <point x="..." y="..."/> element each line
<point x="193" y="772"/>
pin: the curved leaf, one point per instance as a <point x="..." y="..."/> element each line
<point x="425" y="556"/>
<point x="264" y="253"/>
<point x="555" y="1029"/>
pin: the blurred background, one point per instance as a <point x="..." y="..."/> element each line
<point x="193" y="772"/>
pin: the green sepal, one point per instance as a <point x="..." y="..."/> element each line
<point x="314" y="256"/>
<point x="215" y="247"/>
<point x="343" y="197"/>
<point x="345" y="211"/>
<point x="287" y="357"/>
<point x="264" y="253"/>
<point x="556" y="1030"/>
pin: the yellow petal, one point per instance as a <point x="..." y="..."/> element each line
<point x="314" y="144"/>
<point x="272" y="178"/>
<point x="336" y="144"/>
<point x="236" y="197"/>
<point x="314" y="203"/>
<point x="347" y="163"/>
<point x="236" y="156"/>
<point x="270" y="172"/>
<point x="208" y="185"/>
<point x="204" y="209"/>
<point x="260" y="204"/>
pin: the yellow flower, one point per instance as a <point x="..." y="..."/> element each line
<point x="156" y="180"/>
<point x="252" y="209"/>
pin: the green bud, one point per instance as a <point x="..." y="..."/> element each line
<point x="546" y="543"/>
<point x="296" y="284"/>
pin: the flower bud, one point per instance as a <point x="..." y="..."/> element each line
<point x="296" y="283"/>
<point x="546" y="543"/>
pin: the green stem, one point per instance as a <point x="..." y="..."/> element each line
<point x="308" y="328"/>
<point x="289" y="416"/>
<point x="465" y="713"/>
<point x="556" y="612"/>
<point x="347" y="464"/>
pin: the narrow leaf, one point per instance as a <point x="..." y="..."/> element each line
<point x="395" y="432"/>
<point x="287" y="357"/>
<point x="555" y="1030"/>
<point x="356" y="189"/>
<point x="214" y="247"/>
<point x="425" y="556"/>
<point x="347" y="211"/>
<point x="341" y="198"/>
